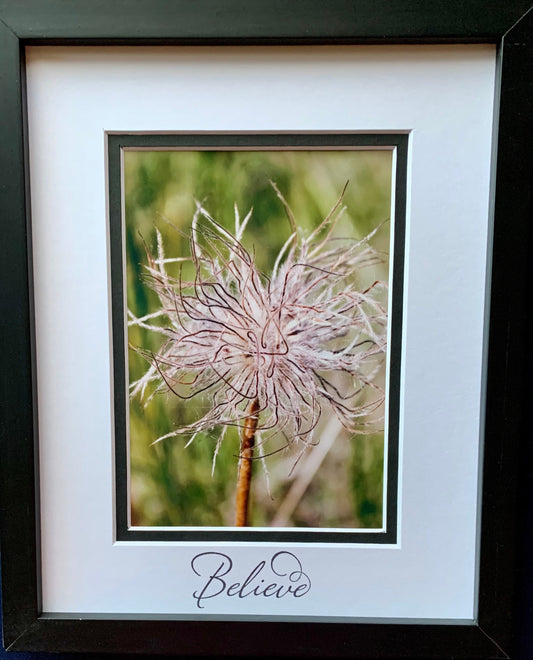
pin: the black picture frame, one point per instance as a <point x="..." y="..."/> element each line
<point x="509" y="25"/>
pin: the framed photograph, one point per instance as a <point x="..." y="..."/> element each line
<point x="265" y="374"/>
<point x="268" y="311"/>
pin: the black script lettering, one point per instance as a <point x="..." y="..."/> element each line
<point x="278" y="561"/>
<point x="224" y="567"/>
<point x="233" y="590"/>
<point x="285" y="567"/>
<point x="250" y="579"/>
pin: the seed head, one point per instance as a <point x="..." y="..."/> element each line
<point x="293" y="343"/>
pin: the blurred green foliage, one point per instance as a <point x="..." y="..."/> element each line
<point x="174" y="485"/>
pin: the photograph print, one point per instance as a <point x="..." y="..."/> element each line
<point x="260" y="339"/>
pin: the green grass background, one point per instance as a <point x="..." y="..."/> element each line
<point x="172" y="485"/>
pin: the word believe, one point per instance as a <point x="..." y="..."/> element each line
<point x="282" y="576"/>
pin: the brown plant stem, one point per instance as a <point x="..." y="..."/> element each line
<point x="244" y="477"/>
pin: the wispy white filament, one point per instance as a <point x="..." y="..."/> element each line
<point x="298" y="341"/>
